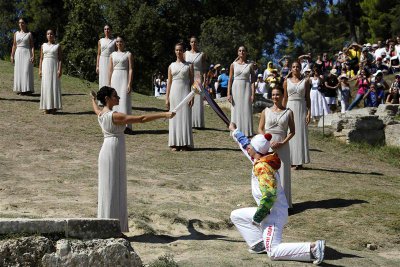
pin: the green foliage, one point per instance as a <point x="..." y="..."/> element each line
<point x="8" y="18"/>
<point x="381" y="18"/>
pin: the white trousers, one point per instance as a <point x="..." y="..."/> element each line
<point x="270" y="232"/>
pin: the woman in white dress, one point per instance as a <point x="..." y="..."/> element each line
<point x="197" y="58"/>
<point x="23" y="55"/>
<point x="180" y="78"/>
<point x="319" y="106"/>
<point x="241" y="92"/>
<point x="50" y="70"/>
<point x="277" y="120"/>
<point x="121" y="73"/>
<point x="297" y="98"/>
<point x="112" y="190"/>
<point x="105" y="47"/>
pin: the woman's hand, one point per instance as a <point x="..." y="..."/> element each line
<point x="169" y="115"/>
<point x="32" y="59"/>
<point x="40" y="73"/>
<point x="12" y="60"/>
<point x="230" y="99"/>
<point x="232" y="126"/>
<point x="93" y="95"/>
<point x="191" y="102"/>
<point x="97" y="69"/>
<point x="252" y="98"/>
<point x="308" y="117"/>
<point x="59" y="73"/>
<point x="128" y="89"/>
<point x="276" y="145"/>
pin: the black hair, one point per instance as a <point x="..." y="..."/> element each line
<point x="103" y="92"/>
<point x="276" y="87"/>
<point x="109" y="26"/>
<point x="23" y="19"/>
<point x="245" y="48"/>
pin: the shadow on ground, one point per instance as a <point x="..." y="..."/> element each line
<point x="333" y="203"/>
<point x="165" y="239"/>
<point x="135" y="132"/>
<point x="20" y="100"/>
<point x="333" y="254"/>
<point x="76" y="113"/>
<point x="341" y="171"/>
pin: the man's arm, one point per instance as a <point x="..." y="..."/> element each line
<point x="241" y="139"/>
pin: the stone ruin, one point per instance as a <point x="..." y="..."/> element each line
<point x="375" y="126"/>
<point x="64" y="242"/>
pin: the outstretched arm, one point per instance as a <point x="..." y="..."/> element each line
<point x="241" y="139"/>
<point x="121" y="118"/>
<point x="96" y="107"/>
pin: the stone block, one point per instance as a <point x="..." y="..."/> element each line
<point x="367" y="123"/>
<point x="260" y="103"/>
<point x="372" y="137"/>
<point x="93" y="228"/>
<point x="328" y="119"/>
<point x="388" y="109"/>
<point x="362" y="111"/>
<point x="392" y="134"/>
<point x="32" y="226"/>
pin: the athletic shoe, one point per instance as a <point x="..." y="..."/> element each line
<point x="258" y="248"/>
<point x="319" y="251"/>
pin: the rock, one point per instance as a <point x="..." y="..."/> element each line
<point x="392" y="133"/>
<point x="372" y="137"/>
<point x="85" y="228"/>
<point x="260" y="103"/>
<point x="25" y="251"/>
<point x="328" y="119"/>
<point x="362" y="111"/>
<point x="366" y="123"/>
<point x="388" y="109"/>
<point x="372" y="246"/>
<point x="96" y="252"/>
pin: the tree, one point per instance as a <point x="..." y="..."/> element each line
<point x="81" y="36"/>
<point x="8" y="24"/>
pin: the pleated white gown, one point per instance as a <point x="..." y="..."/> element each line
<point x="277" y="124"/>
<point x="107" y="46"/>
<point x="23" y="67"/>
<point x="319" y="106"/>
<point x="241" y="108"/>
<point x="299" y="148"/>
<point x="50" y="97"/>
<point x="198" y="106"/>
<point x="119" y="81"/>
<point x="112" y="194"/>
<point x="180" y="126"/>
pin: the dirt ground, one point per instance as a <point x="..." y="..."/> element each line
<point x="180" y="202"/>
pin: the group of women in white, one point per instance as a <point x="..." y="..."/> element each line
<point x="286" y="120"/>
<point x="50" y="67"/>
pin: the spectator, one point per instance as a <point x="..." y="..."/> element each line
<point x="306" y="62"/>
<point x="223" y="82"/>
<point x="394" y="92"/>
<point x="260" y="85"/>
<point x="344" y="92"/>
<point x="211" y="78"/>
<point x="363" y="82"/>
<point x="273" y="80"/>
<point x="380" y="83"/>
<point x="331" y="86"/>
<point x="327" y="62"/>
<point x="373" y="97"/>
<point x="319" y="107"/>
<point x="380" y="66"/>
<point x="354" y="54"/>
<point x="366" y="57"/>
<point x="285" y="67"/>
<point x="268" y="70"/>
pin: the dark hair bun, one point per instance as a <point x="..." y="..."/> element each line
<point x="103" y="92"/>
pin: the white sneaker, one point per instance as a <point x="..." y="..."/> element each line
<point x="319" y="251"/>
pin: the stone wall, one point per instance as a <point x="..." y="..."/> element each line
<point x="64" y="242"/>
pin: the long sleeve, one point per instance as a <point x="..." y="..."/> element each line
<point x="267" y="182"/>
<point x="242" y="141"/>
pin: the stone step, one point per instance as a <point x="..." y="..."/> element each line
<point x="81" y="228"/>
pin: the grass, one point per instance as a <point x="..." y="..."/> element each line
<point x="180" y="203"/>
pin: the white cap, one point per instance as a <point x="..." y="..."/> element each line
<point x="259" y="75"/>
<point x="260" y="143"/>
<point x="378" y="72"/>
